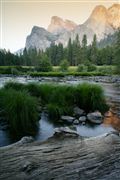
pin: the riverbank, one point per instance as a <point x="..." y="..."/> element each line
<point x="27" y="78"/>
<point x="64" y="156"/>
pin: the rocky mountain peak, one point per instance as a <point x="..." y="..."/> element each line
<point x="57" y="20"/>
<point x="101" y="22"/>
<point x="100" y="14"/>
<point x="39" y="38"/>
<point x="38" y="30"/>
<point x="58" y="24"/>
<point x="114" y="15"/>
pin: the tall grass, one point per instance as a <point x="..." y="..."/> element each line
<point x="14" y="85"/>
<point x="61" y="99"/>
<point x="20" y="110"/>
<point x="90" y="97"/>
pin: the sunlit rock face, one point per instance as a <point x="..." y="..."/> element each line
<point x="104" y="21"/>
<point x="58" y="24"/>
<point x="101" y="22"/>
<point x="114" y="16"/>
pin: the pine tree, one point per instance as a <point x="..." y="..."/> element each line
<point x="59" y="54"/>
<point x="76" y="50"/>
<point x="93" y="56"/>
<point x="53" y="53"/>
<point x="70" y="52"/>
<point x="84" y="49"/>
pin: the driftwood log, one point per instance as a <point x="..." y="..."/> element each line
<point x="62" y="157"/>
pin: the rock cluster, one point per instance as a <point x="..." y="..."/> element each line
<point x="81" y="117"/>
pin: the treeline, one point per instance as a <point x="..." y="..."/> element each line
<point x="75" y="53"/>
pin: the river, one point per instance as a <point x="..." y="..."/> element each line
<point x="46" y="127"/>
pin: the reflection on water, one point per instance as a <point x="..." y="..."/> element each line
<point x="113" y="120"/>
<point x="46" y="128"/>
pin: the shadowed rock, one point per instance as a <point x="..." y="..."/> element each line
<point x="66" y="158"/>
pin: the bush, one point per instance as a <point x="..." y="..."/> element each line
<point x="106" y="70"/>
<point x="81" y="68"/>
<point x="20" y="110"/>
<point x="64" y="65"/>
<point x="44" y="65"/>
<point x="91" y="67"/>
<point x="47" y="74"/>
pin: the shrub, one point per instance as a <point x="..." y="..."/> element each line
<point x="44" y="65"/>
<point x="20" y="110"/>
<point x="48" y="74"/>
<point x="64" y="65"/>
<point x="81" y="68"/>
<point x="91" y="67"/>
<point x="14" y="71"/>
<point x="106" y="70"/>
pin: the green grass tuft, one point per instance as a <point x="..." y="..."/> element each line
<point x="20" y="110"/>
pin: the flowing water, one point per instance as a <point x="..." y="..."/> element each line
<point x="46" y="127"/>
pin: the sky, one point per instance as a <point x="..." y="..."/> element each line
<point x="17" y="17"/>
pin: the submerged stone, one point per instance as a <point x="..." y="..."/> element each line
<point x="82" y="119"/>
<point x="68" y="119"/>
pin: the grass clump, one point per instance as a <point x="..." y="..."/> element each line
<point x="20" y="110"/>
<point x="61" y="99"/>
<point x="90" y="97"/>
<point x="14" y="85"/>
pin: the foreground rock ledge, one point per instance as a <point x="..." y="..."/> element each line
<point x="62" y="158"/>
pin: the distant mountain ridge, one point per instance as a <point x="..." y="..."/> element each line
<point x="101" y="22"/>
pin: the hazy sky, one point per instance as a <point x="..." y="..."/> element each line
<point x="17" y="17"/>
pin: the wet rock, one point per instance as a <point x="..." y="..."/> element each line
<point x="83" y="123"/>
<point x="69" y="158"/>
<point x="25" y="139"/>
<point x="78" y="112"/>
<point x="95" y="117"/>
<point x="66" y="131"/>
<point x="67" y="119"/>
<point x="76" y="122"/>
<point x="82" y="119"/>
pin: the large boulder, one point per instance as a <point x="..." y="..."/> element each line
<point x="95" y="117"/>
<point x="67" y="119"/>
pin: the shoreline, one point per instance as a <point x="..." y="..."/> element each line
<point x="105" y="79"/>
